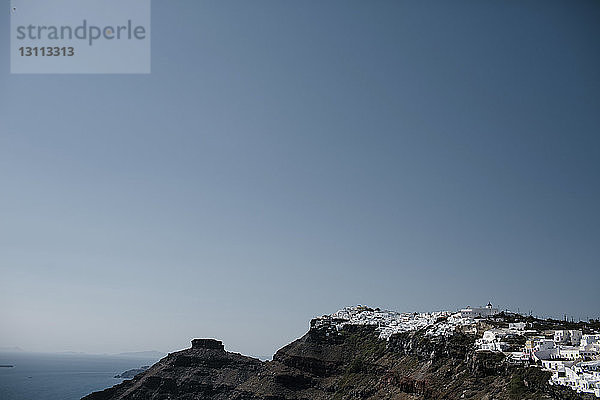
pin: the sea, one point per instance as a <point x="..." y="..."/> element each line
<point x="61" y="376"/>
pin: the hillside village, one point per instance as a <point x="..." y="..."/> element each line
<point x="570" y="351"/>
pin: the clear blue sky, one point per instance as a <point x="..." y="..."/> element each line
<point x="285" y="159"/>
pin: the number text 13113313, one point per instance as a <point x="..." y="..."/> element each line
<point x="46" y="51"/>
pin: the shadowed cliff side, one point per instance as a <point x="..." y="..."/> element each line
<point x="352" y="363"/>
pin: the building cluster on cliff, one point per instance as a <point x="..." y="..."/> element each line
<point x="387" y="323"/>
<point x="572" y="357"/>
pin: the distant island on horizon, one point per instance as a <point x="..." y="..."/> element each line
<point x="149" y="354"/>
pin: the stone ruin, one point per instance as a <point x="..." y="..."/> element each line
<point x="211" y="344"/>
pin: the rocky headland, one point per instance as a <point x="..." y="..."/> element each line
<point x="131" y="373"/>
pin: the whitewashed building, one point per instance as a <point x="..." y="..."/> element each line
<point x="492" y="341"/>
<point x="478" y="312"/>
<point x="589" y="340"/>
<point x="517" y="326"/>
<point x="570" y="337"/>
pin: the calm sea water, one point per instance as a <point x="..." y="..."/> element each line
<point x="60" y="377"/>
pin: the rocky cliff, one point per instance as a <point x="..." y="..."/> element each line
<point x="349" y="363"/>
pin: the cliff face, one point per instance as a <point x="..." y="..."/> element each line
<point x="353" y="363"/>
